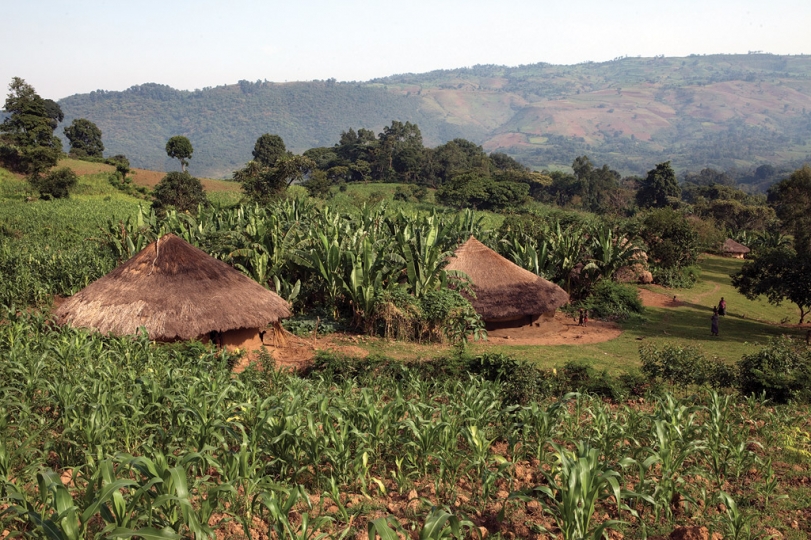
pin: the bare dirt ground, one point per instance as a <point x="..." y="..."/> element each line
<point x="563" y="330"/>
<point x="651" y="298"/>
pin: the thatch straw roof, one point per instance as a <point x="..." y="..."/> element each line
<point x="504" y="290"/>
<point x="731" y="246"/>
<point x="176" y="291"/>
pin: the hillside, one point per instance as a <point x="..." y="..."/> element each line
<point x="722" y="111"/>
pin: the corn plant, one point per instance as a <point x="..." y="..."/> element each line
<point x="438" y="525"/>
<point x="577" y="482"/>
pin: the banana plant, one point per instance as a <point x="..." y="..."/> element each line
<point x="610" y="252"/>
<point x="420" y="245"/>
<point x="523" y="251"/>
<point x="365" y="281"/>
<point x="566" y="251"/>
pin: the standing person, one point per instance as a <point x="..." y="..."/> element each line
<point x="714" y="322"/>
<point x="722" y="307"/>
<point x="580" y="320"/>
<point x="586" y="318"/>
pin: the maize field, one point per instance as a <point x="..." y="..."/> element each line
<point x="105" y="437"/>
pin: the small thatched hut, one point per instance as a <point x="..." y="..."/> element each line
<point x="507" y="296"/>
<point x="731" y="248"/>
<point x="178" y="292"/>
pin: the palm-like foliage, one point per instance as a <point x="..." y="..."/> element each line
<point x="610" y="252"/>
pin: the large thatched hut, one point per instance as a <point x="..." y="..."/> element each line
<point x="178" y="292"/>
<point x="506" y="295"/>
<point x="733" y="249"/>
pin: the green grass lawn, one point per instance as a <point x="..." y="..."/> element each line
<point x="746" y="327"/>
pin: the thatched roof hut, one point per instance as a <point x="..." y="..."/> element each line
<point x="505" y="291"/>
<point x="175" y="291"/>
<point x="732" y="248"/>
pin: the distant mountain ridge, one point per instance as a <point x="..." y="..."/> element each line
<point x="722" y="111"/>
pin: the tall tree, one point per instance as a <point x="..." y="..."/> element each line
<point x="85" y="138"/>
<point x="268" y="149"/>
<point x="778" y="274"/>
<point x="29" y="128"/>
<point x="660" y="188"/>
<point x="262" y="184"/>
<point x="398" y="138"/>
<point x="791" y="200"/>
<point x="179" y="147"/>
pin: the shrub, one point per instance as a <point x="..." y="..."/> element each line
<point x="180" y="190"/>
<point x="56" y="184"/>
<point x="684" y="365"/>
<point x="610" y="300"/>
<point x="396" y="315"/>
<point x="579" y="375"/>
<point x="521" y="382"/>
<point x="781" y="370"/>
<point x="678" y="278"/>
<point x="410" y="193"/>
<point x="446" y="313"/>
<point x="305" y="326"/>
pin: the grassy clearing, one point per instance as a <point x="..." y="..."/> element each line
<point x="747" y="326"/>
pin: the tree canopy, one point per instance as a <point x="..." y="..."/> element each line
<point x="791" y="200"/>
<point x="659" y="187"/>
<point x="179" y="190"/>
<point x="85" y="138"/>
<point x="179" y="147"/>
<point x="268" y="149"/>
<point x="29" y="130"/>
<point x="777" y="271"/>
<point x="263" y="184"/>
<point x="778" y="274"/>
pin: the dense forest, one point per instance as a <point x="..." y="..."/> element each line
<point x="725" y="112"/>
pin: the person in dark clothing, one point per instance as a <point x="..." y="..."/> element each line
<point x="714" y="322"/>
<point x="722" y="307"/>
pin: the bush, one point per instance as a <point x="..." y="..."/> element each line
<point x="676" y="278"/>
<point x="781" y="370"/>
<point x="179" y="190"/>
<point x="446" y="313"/>
<point x="56" y="184"/>
<point x="410" y="193"/>
<point x="521" y="382"/>
<point x="684" y="365"/>
<point x="610" y="300"/>
<point x="580" y="376"/>
<point x="305" y="326"/>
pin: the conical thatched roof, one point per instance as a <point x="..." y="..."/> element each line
<point x="731" y="246"/>
<point x="504" y="290"/>
<point x="176" y="291"/>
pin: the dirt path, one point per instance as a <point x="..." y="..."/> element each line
<point x="701" y="296"/>
<point x="661" y="297"/>
<point x="659" y="300"/>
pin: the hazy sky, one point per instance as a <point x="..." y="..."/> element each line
<point x="67" y="47"/>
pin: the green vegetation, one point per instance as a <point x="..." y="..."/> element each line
<point x="119" y="437"/>
<point x="85" y="138"/>
<point x="107" y="436"/>
<point x="27" y="141"/>
<point x="180" y="148"/>
<point x="178" y="190"/>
